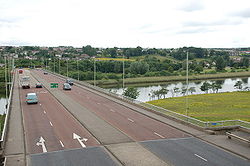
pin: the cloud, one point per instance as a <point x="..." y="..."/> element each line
<point x="191" y="6"/>
<point x="243" y="13"/>
<point x="221" y="22"/>
<point x="194" y="30"/>
<point x="14" y="42"/>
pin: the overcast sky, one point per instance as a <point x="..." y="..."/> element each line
<point x="125" y="23"/>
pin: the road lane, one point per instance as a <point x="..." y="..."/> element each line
<point x="192" y="151"/>
<point x="52" y="121"/>
<point x="137" y="126"/>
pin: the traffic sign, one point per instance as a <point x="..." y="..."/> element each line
<point x="53" y="85"/>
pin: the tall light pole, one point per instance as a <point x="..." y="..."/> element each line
<point x="54" y="65"/>
<point x="59" y="65"/>
<point x="77" y="69"/>
<point x="187" y="87"/>
<point x="67" y="67"/>
<point x="6" y="80"/>
<point x="123" y="73"/>
<point x="94" y="72"/>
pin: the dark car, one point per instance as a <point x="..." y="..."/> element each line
<point x="66" y="86"/>
<point x="39" y="85"/>
<point x="70" y="82"/>
<point x="45" y="72"/>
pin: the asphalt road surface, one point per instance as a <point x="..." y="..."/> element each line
<point x="191" y="151"/>
<point x="137" y="126"/>
<point x="51" y="121"/>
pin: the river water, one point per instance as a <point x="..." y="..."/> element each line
<point x="227" y="86"/>
<point x="2" y="105"/>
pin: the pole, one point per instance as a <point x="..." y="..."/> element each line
<point x="187" y="87"/>
<point x="54" y="65"/>
<point x="77" y="69"/>
<point x="6" y="80"/>
<point x="123" y="73"/>
<point x="67" y="67"/>
<point x="58" y="65"/>
<point x="94" y="72"/>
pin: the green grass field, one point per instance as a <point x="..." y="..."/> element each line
<point x="211" y="107"/>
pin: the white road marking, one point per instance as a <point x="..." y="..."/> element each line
<point x="131" y="120"/>
<point x="44" y="112"/>
<point x="200" y="157"/>
<point x="87" y="97"/>
<point x="158" y="135"/>
<point x="112" y="110"/>
<point x="61" y="143"/>
<point x="50" y="124"/>
<point x="98" y="103"/>
<point x="41" y="142"/>
<point x="75" y="136"/>
<point x="40" y="104"/>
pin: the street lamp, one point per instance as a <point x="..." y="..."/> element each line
<point x="94" y="72"/>
<point x="77" y="69"/>
<point x="187" y="86"/>
<point x="67" y="67"/>
<point x="123" y="73"/>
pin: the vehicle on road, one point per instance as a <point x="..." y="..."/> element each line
<point x="70" y="82"/>
<point x="39" y="85"/>
<point x="45" y="73"/>
<point x="66" y="86"/>
<point x="31" y="98"/>
<point x="20" y="71"/>
<point x="25" y="82"/>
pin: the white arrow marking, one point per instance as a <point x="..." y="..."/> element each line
<point x="50" y="124"/>
<point x="41" y="142"/>
<point x="75" y="136"/>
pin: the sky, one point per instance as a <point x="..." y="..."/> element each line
<point x="125" y="23"/>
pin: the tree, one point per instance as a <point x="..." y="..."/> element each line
<point x="139" y="68"/>
<point x="238" y="85"/>
<point x="220" y="63"/>
<point x="192" y="90"/>
<point x="205" y="87"/>
<point x="131" y="92"/>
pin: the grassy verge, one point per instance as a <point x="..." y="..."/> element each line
<point x="149" y="80"/>
<point x="2" y="119"/>
<point x="211" y="107"/>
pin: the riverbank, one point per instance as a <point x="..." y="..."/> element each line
<point x="210" y="107"/>
<point x="164" y="79"/>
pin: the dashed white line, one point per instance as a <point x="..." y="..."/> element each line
<point x="158" y="135"/>
<point x="200" y="157"/>
<point x="44" y="112"/>
<point x="50" y="124"/>
<point x="61" y="143"/>
<point x="98" y="103"/>
<point x="131" y="120"/>
<point x="112" y="110"/>
<point x="40" y="104"/>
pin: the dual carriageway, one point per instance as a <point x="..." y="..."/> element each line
<point x="86" y="127"/>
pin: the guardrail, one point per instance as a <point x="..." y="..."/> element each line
<point x="3" y="136"/>
<point x="174" y="115"/>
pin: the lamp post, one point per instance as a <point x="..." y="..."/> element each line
<point x="59" y="65"/>
<point x="6" y="80"/>
<point x="187" y="86"/>
<point x="67" y="67"/>
<point x="123" y="73"/>
<point x="94" y="72"/>
<point x="77" y="69"/>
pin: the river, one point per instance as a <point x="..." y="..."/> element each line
<point x="227" y="86"/>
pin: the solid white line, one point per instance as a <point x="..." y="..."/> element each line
<point x="131" y="120"/>
<point x="200" y="157"/>
<point x="61" y="143"/>
<point x="112" y="110"/>
<point x="50" y="124"/>
<point x="158" y="135"/>
<point x="44" y="112"/>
